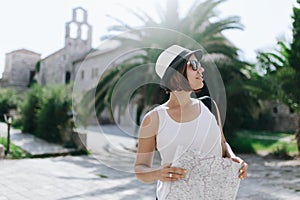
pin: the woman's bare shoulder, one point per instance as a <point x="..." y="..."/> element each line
<point x="151" y="116"/>
<point x="149" y="125"/>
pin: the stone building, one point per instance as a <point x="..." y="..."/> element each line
<point x="23" y="66"/>
<point x="58" y="67"/>
<point x="282" y="118"/>
<point x="76" y="62"/>
<point x="19" y="68"/>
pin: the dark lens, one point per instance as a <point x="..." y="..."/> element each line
<point x="195" y="65"/>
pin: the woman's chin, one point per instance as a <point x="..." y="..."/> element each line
<point x="198" y="87"/>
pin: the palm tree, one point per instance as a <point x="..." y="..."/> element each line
<point x="197" y="26"/>
<point x="283" y="69"/>
<point x="277" y="71"/>
<point x="294" y="60"/>
<point x="279" y="81"/>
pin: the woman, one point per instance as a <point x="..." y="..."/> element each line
<point x="181" y="121"/>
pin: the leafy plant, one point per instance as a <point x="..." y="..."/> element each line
<point x="281" y="151"/>
<point x="196" y="25"/>
<point x="53" y="114"/>
<point x="46" y="112"/>
<point x="283" y="71"/>
<point x="15" y="152"/>
<point x="29" y="109"/>
<point x="8" y="101"/>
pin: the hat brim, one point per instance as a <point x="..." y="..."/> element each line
<point x="181" y="58"/>
<point x="184" y="56"/>
<point x="198" y="53"/>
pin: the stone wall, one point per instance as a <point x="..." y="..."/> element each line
<point x="20" y="67"/>
<point x="282" y="118"/>
<point x="52" y="68"/>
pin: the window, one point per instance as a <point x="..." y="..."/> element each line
<point x="82" y="75"/>
<point x="67" y="77"/>
<point x="84" y="32"/>
<point x="95" y="72"/>
<point x="31" y="76"/>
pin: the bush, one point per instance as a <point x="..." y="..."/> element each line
<point x="8" y="101"/>
<point x="29" y="109"/>
<point x="53" y="115"/>
<point x="281" y="152"/>
<point x="45" y="112"/>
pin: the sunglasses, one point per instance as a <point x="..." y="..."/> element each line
<point x="195" y="64"/>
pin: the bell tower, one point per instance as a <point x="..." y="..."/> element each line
<point x="78" y="31"/>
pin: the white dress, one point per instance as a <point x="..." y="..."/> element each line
<point x="193" y="145"/>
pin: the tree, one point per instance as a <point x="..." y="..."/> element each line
<point x="45" y="112"/>
<point x="8" y="101"/>
<point x="197" y="25"/>
<point x="29" y="107"/>
<point x="282" y="69"/>
<point x="292" y="87"/>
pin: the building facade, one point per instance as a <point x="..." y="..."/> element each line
<point x="20" y="68"/>
<point x="58" y="67"/>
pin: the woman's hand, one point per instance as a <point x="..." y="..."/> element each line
<point x="244" y="168"/>
<point x="168" y="173"/>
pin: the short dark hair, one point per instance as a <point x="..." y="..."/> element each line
<point x="175" y="77"/>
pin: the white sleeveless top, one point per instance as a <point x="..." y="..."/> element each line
<point x="201" y="134"/>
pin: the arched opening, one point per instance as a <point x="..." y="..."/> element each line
<point x="31" y="75"/>
<point x="73" y="30"/>
<point x="68" y="77"/>
<point x="79" y="15"/>
<point x="84" y="32"/>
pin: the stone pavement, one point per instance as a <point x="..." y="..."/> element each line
<point x="33" y="145"/>
<point x="86" y="177"/>
<point x="107" y="174"/>
<point x="63" y="178"/>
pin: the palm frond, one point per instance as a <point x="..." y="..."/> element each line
<point x="195" y="24"/>
<point x="219" y="26"/>
<point x="201" y="12"/>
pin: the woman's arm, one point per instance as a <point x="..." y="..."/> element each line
<point x="146" y="148"/>
<point x="230" y="154"/>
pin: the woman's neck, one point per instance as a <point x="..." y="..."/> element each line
<point x="179" y="98"/>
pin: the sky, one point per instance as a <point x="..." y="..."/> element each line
<point x="39" y="26"/>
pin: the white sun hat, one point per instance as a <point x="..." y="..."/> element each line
<point x="170" y="54"/>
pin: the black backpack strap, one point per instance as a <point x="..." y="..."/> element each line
<point x="206" y="100"/>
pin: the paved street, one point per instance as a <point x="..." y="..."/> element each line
<point x="108" y="175"/>
<point x="85" y="177"/>
<point x="68" y="177"/>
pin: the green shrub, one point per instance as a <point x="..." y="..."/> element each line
<point x="278" y="144"/>
<point x="53" y="115"/>
<point x="45" y="112"/>
<point x="8" y="101"/>
<point x="281" y="151"/>
<point x="29" y="108"/>
<point x="241" y="145"/>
